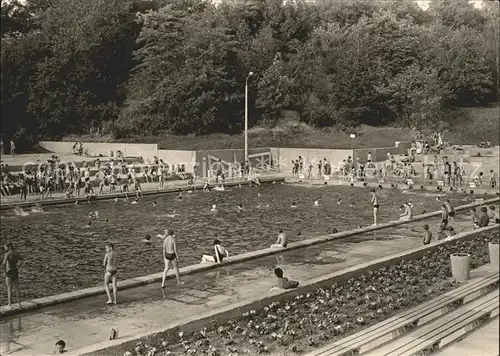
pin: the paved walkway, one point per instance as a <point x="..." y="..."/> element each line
<point x="484" y="341"/>
<point x="88" y="321"/>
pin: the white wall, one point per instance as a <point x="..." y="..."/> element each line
<point x="146" y="150"/>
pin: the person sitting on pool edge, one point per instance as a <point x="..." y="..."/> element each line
<point x="283" y="282"/>
<point x="282" y="240"/>
<point x="218" y="257"/>
<point x="408" y="212"/>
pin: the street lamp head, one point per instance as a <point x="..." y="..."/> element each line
<point x="250" y="74"/>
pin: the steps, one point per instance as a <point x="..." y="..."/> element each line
<point x="421" y="329"/>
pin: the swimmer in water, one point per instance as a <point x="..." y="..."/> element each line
<point x="76" y="202"/>
<point x="116" y="199"/>
<point x="170" y="256"/>
<point x="240" y="207"/>
<point x="316" y="203"/>
<point x="154" y="203"/>
<point x="352" y="204"/>
<point x="147" y="239"/>
<point x="110" y="271"/>
<point x="20" y="212"/>
<point x="89" y="224"/>
<point x="339" y="201"/>
<point x="173" y="215"/>
<point x="293" y="205"/>
<point x="135" y="201"/>
<point x="37" y="209"/>
<point x="214" y="208"/>
<point x="180" y="196"/>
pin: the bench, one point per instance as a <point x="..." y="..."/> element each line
<point x="428" y="339"/>
<point x="402" y="323"/>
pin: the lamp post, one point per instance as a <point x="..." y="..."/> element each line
<point x="246" y="115"/>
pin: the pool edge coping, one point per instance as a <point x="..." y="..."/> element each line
<point x="43" y="302"/>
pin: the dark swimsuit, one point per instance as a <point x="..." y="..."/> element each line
<point x="112" y="273"/>
<point x="12" y="274"/>
<point x="221" y="256"/>
<point x="376" y="206"/>
<point x="170" y="256"/>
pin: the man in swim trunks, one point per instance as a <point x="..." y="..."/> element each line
<point x="427" y="235"/>
<point x="282" y="240"/>
<point x="137" y="186"/>
<point x="444" y="216"/>
<point x="170" y="256"/>
<point x="375" y="204"/>
<point x="23" y="185"/>
<point x="109" y="264"/>
<point x="12" y="261"/>
<point x="451" y="215"/>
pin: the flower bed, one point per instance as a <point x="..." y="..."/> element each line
<point x="313" y="319"/>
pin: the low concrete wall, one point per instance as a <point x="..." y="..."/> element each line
<point x="380" y="154"/>
<point x="178" y="157"/>
<point x="146" y="150"/>
<point x="313" y="155"/>
<point x="235" y="311"/>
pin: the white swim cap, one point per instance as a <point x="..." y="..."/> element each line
<point x="316" y="202"/>
<point x="214" y="206"/>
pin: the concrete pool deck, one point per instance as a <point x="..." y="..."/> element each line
<point x="59" y="198"/>
<point x="88" y="321"/>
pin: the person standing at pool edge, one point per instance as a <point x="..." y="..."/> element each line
<point x="170" y="256"/>
<point x="10" y="263"/>
<point x="109" y="264"/>
<point x="375" y="205"/>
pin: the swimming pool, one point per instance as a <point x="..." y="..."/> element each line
<point x="62" y="254"/>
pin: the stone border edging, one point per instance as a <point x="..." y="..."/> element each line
<point x="235" y="311"/>
<point x="156" y="277"/>
<point x="108" y="196"/>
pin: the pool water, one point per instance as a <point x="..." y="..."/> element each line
<point x="61" y="254"/>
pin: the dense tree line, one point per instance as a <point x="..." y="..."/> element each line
<point x="69" y="66"/>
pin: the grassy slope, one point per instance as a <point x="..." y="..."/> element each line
<point x="469" y="126"/>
